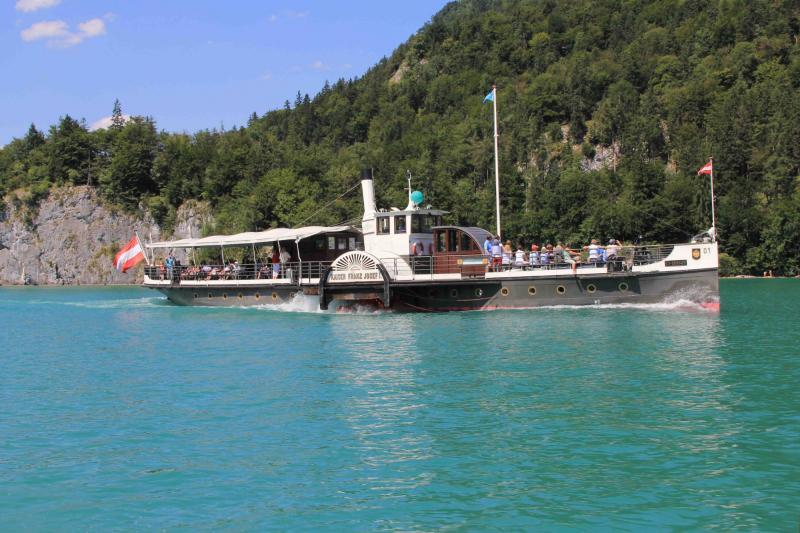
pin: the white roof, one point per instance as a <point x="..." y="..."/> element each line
<point x="252" y="237"/>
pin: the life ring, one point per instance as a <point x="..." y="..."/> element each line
<point x="417" y="248"/>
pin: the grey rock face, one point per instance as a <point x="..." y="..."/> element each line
<point x="72" y="238"/>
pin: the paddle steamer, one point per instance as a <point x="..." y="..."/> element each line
<point x="406" y="259"/>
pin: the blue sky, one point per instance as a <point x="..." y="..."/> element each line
<point x="189" y="65"/>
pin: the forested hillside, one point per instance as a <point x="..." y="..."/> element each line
<point x="607" y="110"/>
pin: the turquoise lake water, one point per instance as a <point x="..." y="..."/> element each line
<point x="121" y="411"/>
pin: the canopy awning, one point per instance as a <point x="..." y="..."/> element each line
<point x="252" y="237"/>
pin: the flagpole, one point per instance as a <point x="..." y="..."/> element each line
<point x="713" y="208"/>
<point x="144" y="252"/>
<point x="496" y="159"/>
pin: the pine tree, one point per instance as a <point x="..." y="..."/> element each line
<point x="117" y="120"/>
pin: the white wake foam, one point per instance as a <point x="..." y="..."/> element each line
<point x="303" y="303"/>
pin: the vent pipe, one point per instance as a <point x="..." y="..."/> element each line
<point x="368" y="193"/>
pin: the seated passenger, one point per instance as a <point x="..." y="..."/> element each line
<point x="612" y="250"/>
<point x="544" y="256"/>
<point x="519" y="258"/>
<point x="594" y="252"/>
<point x="533" y="256"/>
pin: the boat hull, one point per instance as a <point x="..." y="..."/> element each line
<point x="699" y="287"/>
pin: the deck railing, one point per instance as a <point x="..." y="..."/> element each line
<point x="294" y="271"/>
<point x="466" y="265"/>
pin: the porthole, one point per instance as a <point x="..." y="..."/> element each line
<point x="453" y="293"/>
<point x="274" y="296"/>
<point x="239" y="296"/>
<point x="590" y="288"/>
<point x="224" y="295"/>
<point x="195" y="295"/>
<point x="561" y="290"/>
<point x="504" y="291"/>
<point x="478" y="292"/>
<point x="257" y="296"/>
<point x="210" y="295"/>
<point x="623" y="287"/>
<point x="532" y="290"/>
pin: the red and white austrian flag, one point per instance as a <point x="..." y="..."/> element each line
<point x="707" y="169"/>
<point x="130" y="256"/>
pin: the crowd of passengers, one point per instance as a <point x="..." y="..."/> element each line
<point x="276" y="267"/>
<point x="505" y="257"/>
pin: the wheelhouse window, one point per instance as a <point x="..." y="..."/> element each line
<point x="424" y="223"/>
<point x="351" y="243"/>
<point x="400" y="224"/>
<point x="341" y="243"/>
<point x="382" y="223"/>
<point x="331" y="243"/>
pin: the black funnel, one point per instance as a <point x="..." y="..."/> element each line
<point x="366" y="174"/>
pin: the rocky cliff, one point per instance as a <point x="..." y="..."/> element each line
<point x="71" y="237"/>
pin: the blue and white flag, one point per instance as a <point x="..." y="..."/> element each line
<point x="489" y="97"/>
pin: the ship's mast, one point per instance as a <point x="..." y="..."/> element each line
<point x="496" y="159"/>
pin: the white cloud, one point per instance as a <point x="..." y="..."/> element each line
<point x="48" y="29"/>
<point x="289" y="15"/>
<point x="104" y="123"/>
<point x="92" y="28"/>
<point x="26" y="6"/>
<point x="57" y="32"/>
<point x="319" y="65"/>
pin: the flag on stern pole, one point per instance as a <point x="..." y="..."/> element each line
<point x="708" y="168"/>
<point x="489" y="97"/>
<point x="130" y="256"/>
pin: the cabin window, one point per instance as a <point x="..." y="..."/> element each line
<point x="400" y="224"/>
<point x="452" y="241"/>
<point x="466" y="243"/>
<point x="319" y="243"/>
<point x="441" y="242"/>
<point x="351" y="243"/>
<point x="383" y="225"/>
<point x="331" y="243"/>
<point x="341" y="243"/>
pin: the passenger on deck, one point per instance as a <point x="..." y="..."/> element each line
<point x="519" y="258"/>
<point x="508" y="253"/>
<point x="594" y="252"/>
<point x="487" y="245"/>
<point x="169" y="264"/>
<point x="497" y="254"/>
<point x="612" y="250"/>
<point x="276" y="262"/>
<point x="533" y="256"/>
<point x="544" y="255"/>
<point x="565" y="255"/>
